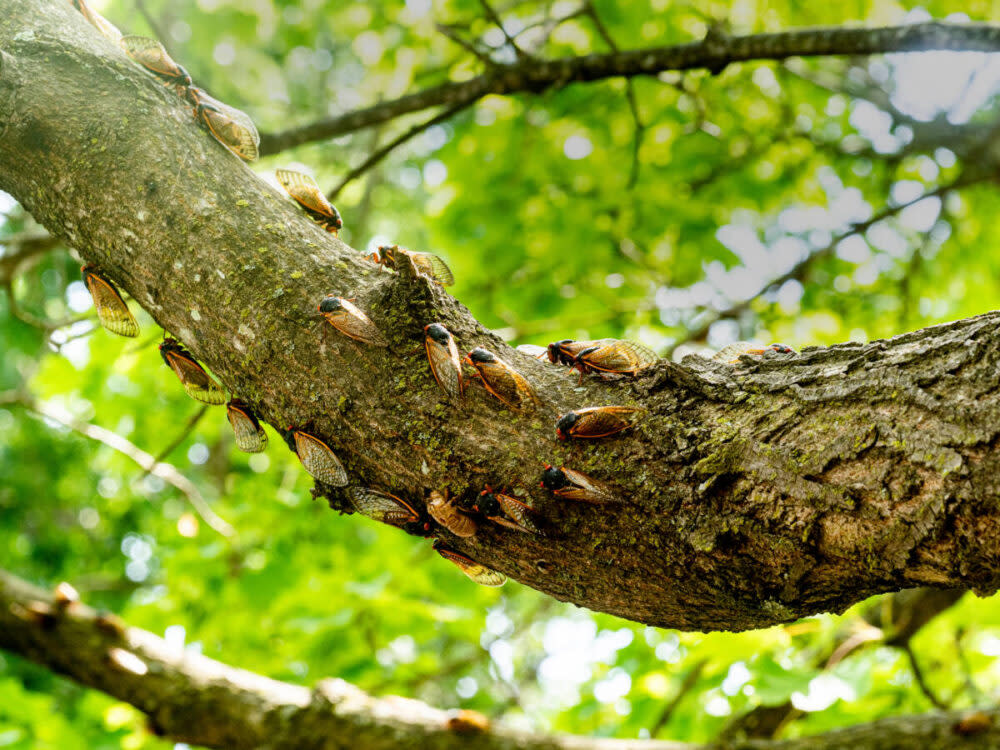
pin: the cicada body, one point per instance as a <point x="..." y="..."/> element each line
<point x="479" y="573"/>
<point x="448" y="514"/>
<point x="442" y="354"/>
<point x="533" y="350"/>
<point x="507" y="511"/>
<point x="112" y="311"/>
<point x="316" y="457"/>
<point x="573" y="485"/>
<point x="198" y="384"/>
<point x="564" y="352"/>
<point x="307" y="194"/>
<point x="250" y="436"/>
<point x="347" y="318"/>
<point x="424" y="264"/>
<point x="502" y="380"/>
<point x="619" y="357"/>
<point x="731" y="354"/>
<point x="383" y="507"/>
<point x="465" y="721"/>
<point x="152" y="55"/>
<point x="595" y="422"/>
<point x="231" y="127"/>
<point x="99" y="22"/>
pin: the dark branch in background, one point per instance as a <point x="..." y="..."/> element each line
<point x="714" y="53"/>
<point x="182" y="435"/>
<point x="192" y="698"/>
<point x="686" y="686"/>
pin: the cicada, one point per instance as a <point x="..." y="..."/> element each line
<point x="448" y="514"/>
<point x="250" y="436"/>
<point x="573" y="485"/>
<point x="502" y="380"/>
<point x="533" y="350"/>
<point x="111" y="308"/>
<point x="477" y="572"/>
<point x="65" y="596"/>
<point x="564" y="352"/>
<point x="595" y="421"/>
<point x="351" y="321"/>
<point x="316" y="457"/>
<point x="465" y="721"/>
<point x="731" y="354"/>
<point x="152" y="55"/>
<point x="108" y="29"/>
<point x="506" y="510"/>
<point x="425" y="264"/>
<point x="231" y="127"/>
<point x="619" y="357"/>
<point x="307" y="194"/>
<point x="383" y="507"/>
<point x="442" y="354"/>
<point x="196" y="381"/>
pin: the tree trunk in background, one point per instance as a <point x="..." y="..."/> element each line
<point x="754" y="493"/>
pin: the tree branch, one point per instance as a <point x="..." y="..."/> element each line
<point x="192" y="698"/>
<point x="713" y="53"/>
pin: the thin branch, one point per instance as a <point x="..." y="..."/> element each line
<point x="686" y="686"/>
<point x="918" y="675"/>
<point x="498" y="22"/>
<point x="388" y="148"/>
<point x="714" y="53"/>
<point x="465" y="44"/>
<point x="181" y="436"/>
<point x="32" y="320"/>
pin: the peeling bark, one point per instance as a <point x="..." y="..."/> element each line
<point x="756" y="493"/>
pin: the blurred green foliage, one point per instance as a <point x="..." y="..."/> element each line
<point x="742" y="175"/>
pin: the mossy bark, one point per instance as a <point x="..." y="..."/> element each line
<point x="754" y="493"/>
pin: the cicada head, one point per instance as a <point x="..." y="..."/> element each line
<point x="438" y="333"/>
<point x="553" y="479"/>
<point x="480" y="356"/>
<point x="782" y="348"/>
<point x="556" y="350"/>
<point x="330" y="304"/>
<point x="564" y="427"/>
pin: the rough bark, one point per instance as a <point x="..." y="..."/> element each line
<point x="755" y="493"/>
<point x="192" y="698"/>
<point x="714" y="53"/>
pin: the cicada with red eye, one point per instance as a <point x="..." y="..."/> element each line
<point x="533" y="350"/>
<point x="383" y="507"/>
<point x="198" y="384"/>
<point x="250" y="436"/>
<point x="564" y="352"/>
<point x="573" y="485"/>
<point x="152" y="55"/>
<point x="596" y="421"/>
<point x="447" y="513"/>
<point x="231" y="127"/>
<point x="731" y="354"/>
<point x="424" y="264"/>
<point x="347" y="318"/>
<point x="316" y="457"/>
<point x="99" y="22"/>
<point x="307" y="194"/>
<point x="502" y="380"/>
<point x="506" y="510"/>
<point x="618" y="358"/>
<point x="112" y="311"/>
<point x="477" y="572"/>
<point x="442" y="354"/>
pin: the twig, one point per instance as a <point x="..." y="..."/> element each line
<point x="686" y="686"/>
<point x="181" y="436"/>
<point x="918" y="675"/>
<point x="25" y="317"/>
<point x="492" y="15"/>
<point x="384" y="151"/>
<point x="465" y="44"/>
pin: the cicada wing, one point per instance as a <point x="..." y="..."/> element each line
<point x="507" y="384"/>
<point x="586" y="489"/>
<point x="621" y="356"/>
<point x="479" y="573"/>
<point x="198" y="384"/>
<point x="520" y="513"/>
<point x="237" y="133"/>
<point x="431" y="265"/>
<point x="352" y="322"/>
<point x="103" y="25"/>
<point x="151" y="55"/>
<point x="381" y="506"/>
<point x="731" y="353"/>
<point x="445" y="365"/>
<point x="306" y="193"/>
<point x="319" y="460"/>
<point x="112" y="311"/>
<point x="602" y="421"/>
<point x="250" y="436"/>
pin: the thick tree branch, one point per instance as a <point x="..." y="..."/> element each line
<point x="713" y="53"/>
<point x="192" y="698"/>
<point x="754" y="493"/>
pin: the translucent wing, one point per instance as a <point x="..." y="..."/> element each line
<point x="621" y="356"/>
<point x="381" y="506"/>
<point x="732" y="352"/>
<point x="319" y="460"/>
<point x="479" y="573"/>
<point x="507" y="384"/>
<point x="233" y="128"/>
<point x="111" y="308"/>
<point x="250" y="436"/>
<point x="445" y="365"/>
<point x="153" y="56"/>
<point x="520" y="515"/>
<point x="306" y="192"/>
<point x="586" y="489"/>
<point x="564" y="352"/>
<point x="196" y="381"/>
<point x="431" y="265"/>
<point x="352" y="322"/>
<point x="108" y="29"/>
<point x="601" y="421"/>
